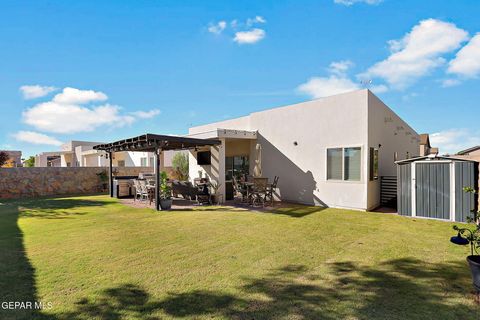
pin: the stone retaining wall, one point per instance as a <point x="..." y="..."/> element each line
<point x="47" y="181"/>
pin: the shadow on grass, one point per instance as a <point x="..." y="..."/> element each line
<point x="17" y="275"/>
<point x="57" y="208"/>
<point x="397" y="289"/>
<point x="297" y="211"/>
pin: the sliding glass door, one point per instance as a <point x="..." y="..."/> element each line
<point x="236" y="166"/>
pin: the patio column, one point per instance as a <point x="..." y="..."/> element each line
<point x="218" y="167"/>
<point x="110" y="173"/>
<point x="156" y="159"/>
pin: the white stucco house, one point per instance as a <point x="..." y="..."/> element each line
<point x="82" y="154"/>
<point x="328" y="152"/>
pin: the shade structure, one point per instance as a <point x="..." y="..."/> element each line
<point x="153" y="143"/>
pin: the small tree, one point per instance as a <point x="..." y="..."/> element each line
<point x="180" y="165"/>
<point x="4" y="157"/>
<point x="30" y="162"/>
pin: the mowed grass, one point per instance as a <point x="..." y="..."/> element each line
<point x="94" y="258"/>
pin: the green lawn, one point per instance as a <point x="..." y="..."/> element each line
<point x="92" y="257"/>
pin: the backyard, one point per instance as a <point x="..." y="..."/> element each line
<point x="92" y="257"/>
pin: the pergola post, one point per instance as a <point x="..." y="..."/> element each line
<point x="110" y="173"/>
<point x="156" y="158"/>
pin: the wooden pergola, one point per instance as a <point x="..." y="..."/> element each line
<point x="153" y="143"/>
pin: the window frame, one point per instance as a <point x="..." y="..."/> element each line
<point x="343" y="147"/>
<point x="373" y="153"/>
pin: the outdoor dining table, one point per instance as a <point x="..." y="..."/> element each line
<point x="249" y="187"/>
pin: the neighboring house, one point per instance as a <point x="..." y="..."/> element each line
<point x="425" y="147"/>
<point x="82" y="154"/>
<point x="472" y="153"/>
<point x="329" y="152"/>
<point x="15" y="158"/>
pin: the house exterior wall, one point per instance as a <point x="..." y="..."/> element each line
<point x="295" y="140"/>
<point x="387" y="129"/>
<point x="337" y="121"/>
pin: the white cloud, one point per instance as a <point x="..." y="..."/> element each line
<point x="218" y="27"/>
<point x="352" y="2"/>
<point x="76" y="96"/>
<point x="450" y="83"/>
<point x="68" y="112"/>
<point x="70" y="118"/>
<point x="249" y="37"/>
<point x="319" y="87"/>
<point x="453" y="140"/>
<point x="35" y="91"/>
<point x="258" y="19"/>
<point x="146" y="114"/>
<point x="418" y="52"/>
<point x="337" y="82"/>
<point x="467" y="61"/>
<point x="340" y="67"/>
<point x="36" y="138"/>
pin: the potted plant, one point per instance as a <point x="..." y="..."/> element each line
<point x="214" y="186"/>
<point x="471" y="236"/>
<point x="165" y="192"/>
<point x="103" y="177"/>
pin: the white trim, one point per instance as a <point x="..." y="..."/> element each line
<point x="435" y="161"/>
<point x="452" y="191"/>
<point x="413" y="186"/>
<point x="361" y="146"/>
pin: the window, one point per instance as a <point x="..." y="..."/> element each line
<point x="121" y="163"/>
<point x="373" y="164"/>
<point x="152" y="162"/>
<point x="344" y="164"/>
<point x="334" y="164"/>
<point x="143" y="162"/>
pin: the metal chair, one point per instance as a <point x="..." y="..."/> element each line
<point x="259" y="191"/>
<point x="271" y="190"/>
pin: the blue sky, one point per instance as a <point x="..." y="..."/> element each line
<point x="106" y="70"/>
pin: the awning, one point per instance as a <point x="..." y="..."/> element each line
<point x="152" y="142"/>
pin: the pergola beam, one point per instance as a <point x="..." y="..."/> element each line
<point x="151" y="142"/>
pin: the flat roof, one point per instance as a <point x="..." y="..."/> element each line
<point x="151" y="142"/>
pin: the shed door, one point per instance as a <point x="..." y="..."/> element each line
<point x="432" y="190"/>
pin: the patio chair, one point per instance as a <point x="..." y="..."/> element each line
<point x="138" y="190"/>
<point x="259" y="191"/>
<point x="141" y="190"/>
<point x="240" y="190"/>
<point x="203" y="194"/>
<point x="271" y="190"/>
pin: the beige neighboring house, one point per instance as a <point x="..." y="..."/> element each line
<point x="329" y="152"/>
<point x="15" y="157"/>
<point x="472" y="153"/>
<point x="425" y="147"/>
<point x="81" y="154"/>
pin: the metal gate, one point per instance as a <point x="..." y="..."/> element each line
<point x="432" y="193"/>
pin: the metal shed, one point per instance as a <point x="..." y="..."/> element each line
<point x="432" y="187"/>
